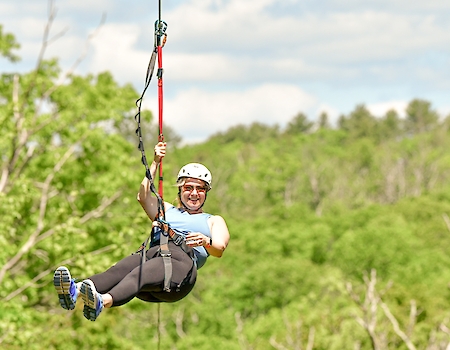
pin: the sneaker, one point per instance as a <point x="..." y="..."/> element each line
<point x="93" y="301"/>
<point x="65" y="287"/>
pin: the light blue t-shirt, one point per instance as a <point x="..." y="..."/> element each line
<point x="182" y="222"/>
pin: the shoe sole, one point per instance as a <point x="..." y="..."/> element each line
<point x="89" y="295"/>
<point x="61" y="281"/>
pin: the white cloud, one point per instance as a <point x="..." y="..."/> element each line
<point x="114" y="51"/>
<point x="393" y="5"/>
<point x="340" y="35"/>
<point x="220" y="67"/>
<point x="380" y="109"/>
<point x="223" y="55"/>
<point x="87" y="6"/>
<point x="195" y="114"/>
<point x="202" y="67"/>
<point x="444" y="112"/>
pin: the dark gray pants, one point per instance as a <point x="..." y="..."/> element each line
<point x="128" y="279"/>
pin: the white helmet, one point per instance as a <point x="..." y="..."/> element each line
<point x="196" y="171"/>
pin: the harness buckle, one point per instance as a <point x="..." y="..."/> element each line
<point x="165" y="253"/>
<point x="177" y="239"/>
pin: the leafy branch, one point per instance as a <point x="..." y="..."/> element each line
<point x="38" y="235"/>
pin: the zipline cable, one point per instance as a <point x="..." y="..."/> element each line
<point x="158" y="325"/>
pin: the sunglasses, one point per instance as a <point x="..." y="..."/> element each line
<point x="191" y="188"/>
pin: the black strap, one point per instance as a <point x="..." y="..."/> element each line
<point x="160" y="28"/>
<point x="166" y="255"/>
<point x="148" y="78"/>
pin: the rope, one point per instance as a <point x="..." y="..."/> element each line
<point x="159" y="325"/>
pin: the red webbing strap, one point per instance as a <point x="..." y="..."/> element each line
<point x="164" y="235"/>
<point x="160" y="110"/>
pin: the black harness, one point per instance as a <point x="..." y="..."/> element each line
<point x="160" y="222"/>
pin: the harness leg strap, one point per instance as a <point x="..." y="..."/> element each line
<point x="167" y="259"/>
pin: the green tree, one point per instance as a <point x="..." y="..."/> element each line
<point x="61" y="168"/>
<point x="247" y="133"/>
<point x="64" y="170"/>
<point x="299" y="125"/>
<point x="310" y="215"/>
<point x="420" y="117"/>
<point x="360" y="123"/>
<point x="324" y="121"/>
<point x="391" y="125"/>
<point x="8" y="43"/>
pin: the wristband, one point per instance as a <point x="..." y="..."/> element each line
<point x="209" y="244"/>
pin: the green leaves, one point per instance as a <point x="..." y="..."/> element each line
<point x="8" y="43"/>
<point x="310" y="212"/>
<point x="63" y="166"/>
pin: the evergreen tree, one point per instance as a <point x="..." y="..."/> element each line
<point x="420" y="117"/>
<point x="391" y="125"/>
<point x="324" y="122"/>
<point x="360" y="123"/>
<point x="299" y="125"/>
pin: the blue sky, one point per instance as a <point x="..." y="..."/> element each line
<point x="230" y="62"/>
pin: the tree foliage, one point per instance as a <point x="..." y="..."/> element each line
<point x="340" y="236"/>
<point x="8" y="43"/>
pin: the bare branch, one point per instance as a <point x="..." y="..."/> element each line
<point x="368" y="320"/>
<point x="368" y="307"/>
<point x="293" y="338"/>
<point x="352" y="294"/>
<point x="161" y="326"/>
<point x="18" y="141"/>
<point x="396" y="326"/>
<point x="51" y="17"/>
<point x="447" y="220"/>
<point x="69" y="72"/>
<point x="96" y="213"/>
<point x="311" y="335"/>
<point x="276" y="345"/>
<point x="15" y="97"/>
<point x="179" y="323"/>
<point x="86" y="44"/>
<point x="5" y="334"/>
<point x="444" y="328"/>
<point x="288" y="326"/>
<point x="4" y="178"/>
<point x="22" y="135"/>
<point x="20" y="167"/>
<point x="412" y="318"/>
<point x="240" y="330"/>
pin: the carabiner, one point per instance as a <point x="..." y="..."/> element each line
<point x="160" y="28"/>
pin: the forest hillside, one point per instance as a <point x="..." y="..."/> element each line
<point x="340" y="234"/>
